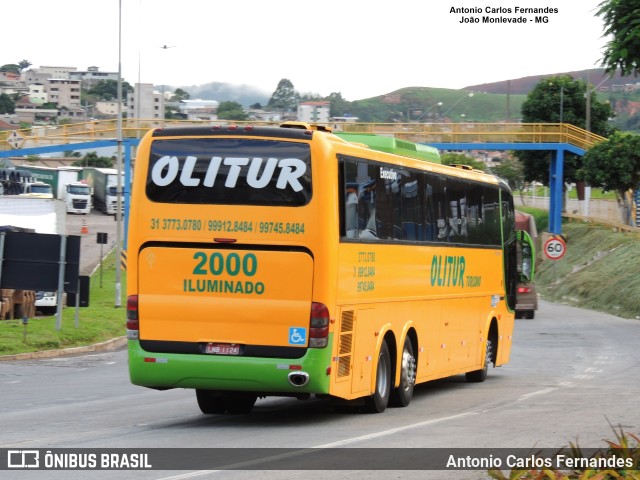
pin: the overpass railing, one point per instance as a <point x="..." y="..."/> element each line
<point x="416" y="132"/>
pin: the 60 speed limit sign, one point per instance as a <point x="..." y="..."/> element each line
<point x="555" y="248"/>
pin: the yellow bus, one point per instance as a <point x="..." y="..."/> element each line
<point x="286" y="261"/>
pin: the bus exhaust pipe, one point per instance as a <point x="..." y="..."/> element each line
<point x="298" y="379"/>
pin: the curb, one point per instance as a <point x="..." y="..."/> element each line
<point x="109" y="345"/>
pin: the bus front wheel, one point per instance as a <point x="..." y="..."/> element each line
<point x="377" y="403"/>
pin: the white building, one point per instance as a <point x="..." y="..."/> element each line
<point x="144" y="102"/>
<point x="205" y="110"/>
<point x="37" y="93"/>
<point x="64" y="92"/>
<point x="92" y="76"/>
<point x="107" y="108"/>
<point x="313" y="112"/>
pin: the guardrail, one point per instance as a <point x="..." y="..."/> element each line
<point x="616" y="226"/>
<point x="417" y="132"/>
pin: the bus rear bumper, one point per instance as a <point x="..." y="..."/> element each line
<point x="268" y="376"/>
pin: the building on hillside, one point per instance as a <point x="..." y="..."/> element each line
<point x="37" y="93"/>
<point x="92" y="75"/>
<point x="31" y="114"/>
<point x="258" y="114"/>
<point x="10" y="77"/>
<point x="144" y="102"/>
<point x="205" y="110"/>
<point x="9" y="122"/>
<point x="337" y="122"/>
<point x="11" y="88"/>
<point x="313" y="112"/>
<point x="107" y="108"/>
<point x="55" y="72"/>
<point x="64" y="92"/>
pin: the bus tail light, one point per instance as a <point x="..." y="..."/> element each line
<point x="319" y="326"/>
<point x="524" y="289"/>
<point x="133" y="324"/>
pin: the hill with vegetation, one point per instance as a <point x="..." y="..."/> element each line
<point x="490" y="102"/>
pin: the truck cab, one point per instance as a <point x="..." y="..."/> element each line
<point x="38" y="189"/>
<point x="78" y="197"/>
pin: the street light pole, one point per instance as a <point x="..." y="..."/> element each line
<point x="119" y="161"/>
<point x="439" y="104"/>
<point x="456" y="103"/>
<point x="590" y="90"/>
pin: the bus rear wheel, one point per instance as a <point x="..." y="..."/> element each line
<point x="401" y="396"/>
<point x="377" y="403"/>
<point x="211" y="402"/>
<point x="481" y="375"/>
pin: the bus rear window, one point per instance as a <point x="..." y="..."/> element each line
<point x="229" y="171"/>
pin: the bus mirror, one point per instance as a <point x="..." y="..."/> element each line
<point x="527" y="259"/>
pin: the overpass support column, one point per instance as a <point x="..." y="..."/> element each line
<point x="556" y="176"/>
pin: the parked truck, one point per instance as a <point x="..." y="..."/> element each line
<point x="104" y="182"/>
<point x="65" y="184"/>
<point x="37" y="189"/>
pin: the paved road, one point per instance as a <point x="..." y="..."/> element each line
<point x="571" y="377"/>
<point x="90" y="250"/>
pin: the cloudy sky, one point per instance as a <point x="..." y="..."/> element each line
<point x="361" y="48"/>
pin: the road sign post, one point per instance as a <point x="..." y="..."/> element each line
<point x="555" y="247"/>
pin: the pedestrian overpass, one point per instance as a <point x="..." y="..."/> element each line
<point x="556" y="137"/>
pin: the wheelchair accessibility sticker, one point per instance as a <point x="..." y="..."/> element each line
<point x="297" y="336"/>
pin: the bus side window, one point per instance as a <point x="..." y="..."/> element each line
<point x="351" y="210"/>
<point x="429" y="213"/>
<point x="411" y="203"/>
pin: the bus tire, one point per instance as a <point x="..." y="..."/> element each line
<point x="211" y="403"/>
<point x="377" y="403"/>
<point x="481" y="375"/>
<point x="401" y="396"/>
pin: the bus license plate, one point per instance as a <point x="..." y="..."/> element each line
<point x="222" y="349"/>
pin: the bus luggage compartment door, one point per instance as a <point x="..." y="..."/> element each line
<point x="225" y="296"/>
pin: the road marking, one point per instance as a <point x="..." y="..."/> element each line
<point x="539" y="392"/>
<point x="346" y="441"/>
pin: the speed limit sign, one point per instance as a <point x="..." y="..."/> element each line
<point x="555" y="248"/>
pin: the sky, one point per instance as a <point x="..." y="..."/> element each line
<point x="360" y="48"/>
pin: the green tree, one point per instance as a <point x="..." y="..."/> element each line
<point x="461" y="159"/>
<point x="284" y="97"/>
<point x="180" y="94"/>
<point x="338" y="106"/>
<point x="10" y="68"/>
<point x="511" y="170"/>
<point x="107" y="90"/>
<point x="92" y="159"/>
<point x="7" y="105"/>
<point x="621" y="25"/>
<point x="231" y="111"/>
<point x="24" y="64"/>
<point x="560" y="99"/>
<point x="614" y="165"/>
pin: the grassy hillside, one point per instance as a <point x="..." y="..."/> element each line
<point x="435" y="105"/>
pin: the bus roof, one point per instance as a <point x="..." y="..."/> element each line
<point x="393" y="145"/>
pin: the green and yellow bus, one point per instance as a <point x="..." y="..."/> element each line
<point x="286" y="261"/>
